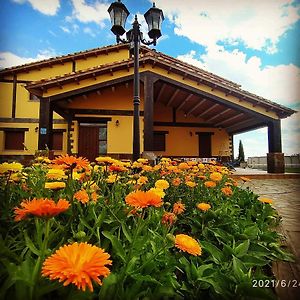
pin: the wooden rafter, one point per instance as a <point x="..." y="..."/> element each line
<point x="230" y="119"/>
<point x="185" y="101"/>
<point x="196" y="106"/>
<point x="208" y="110"/>
<point x="173" y="97"/>
<point x="218" y="115"/>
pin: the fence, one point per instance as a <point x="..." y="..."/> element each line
<point x="260" y="162"/>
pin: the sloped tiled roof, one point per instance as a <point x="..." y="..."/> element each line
<point x="171" y="64"/>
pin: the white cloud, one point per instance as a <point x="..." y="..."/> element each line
<point x="278" y="83"/>
<point x="85" y="13"/>
<point x="47" y="7"/>
<point x="9" y="59"/>
<point x="89" y="31"/>
<point x="258" y="24"/>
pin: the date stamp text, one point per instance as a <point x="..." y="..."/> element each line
<point x="275" y="283"/>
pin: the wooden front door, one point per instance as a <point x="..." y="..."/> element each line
<point x="88" y="143"/>
<point x="205" y="144"/>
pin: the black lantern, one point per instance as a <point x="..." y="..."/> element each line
<point x="154" y="17"/>
<point x="118" y="15"/>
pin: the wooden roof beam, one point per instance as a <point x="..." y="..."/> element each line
<point x="160" y="92"/>
<point x="195" y="107"/>
<point x="208" y="110"/>
<point x="173" y="97"/>
<point x="185" y="101"/>
<point x="218" y="115"/>
<point x="229" y="119"/>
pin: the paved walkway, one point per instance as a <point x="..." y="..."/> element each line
<point x="286" y="199"/>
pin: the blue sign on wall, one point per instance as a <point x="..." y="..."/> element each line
<point x="43" y="130"/>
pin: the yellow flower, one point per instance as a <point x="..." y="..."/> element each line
<point x="203" y="206"/>
<point x="55" y="185"/>
<point x="142" y="180"/>
<point x="162" y="184"/>
<point x="10" y="167"/>
<point x="187" y="244"/>
<point x="158" y="192"/>
<point x="201" y="166"/>
<point x="111" y="178"/>
<point x="78" y="264"/>
<point x="265" y="200"/>
<point x="56" y="174"/>
<point x="142" y="160"/>
<point x="106" y="160"/>
<point x="215" y="176"/>
<point x="190" y="183"/>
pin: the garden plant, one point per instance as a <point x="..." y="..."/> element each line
<point x="110" y="229"/>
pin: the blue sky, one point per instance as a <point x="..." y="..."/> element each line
<point x="254" y="43"/>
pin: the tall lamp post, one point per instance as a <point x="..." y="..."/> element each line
<point x="154" y="17"/>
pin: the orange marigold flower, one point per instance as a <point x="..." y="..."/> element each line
<point x="183" y="166"/>
<point x="168" y="218"/>
<point x="265" y="200"/>
<point x="187" y="244"/>
<point x="176" y="181"/>
<point x="81" y="196"/>
<point x="203" y="206"/>
<point x="178" y="208"/>
<point x="210" y="184"/>
<point x="215" y="176"/>
<point x="70" y="161"/>
<point x="140" y="199"/>
<point x="77" y="263"/>
<point x="46" y="208"/>
<point x="227" y="191"/>
<point x="94" y="196"/>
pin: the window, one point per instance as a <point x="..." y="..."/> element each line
<point x="14" y="138"/>
<point x="103" y="139"/>
<point x="159" y="140"/>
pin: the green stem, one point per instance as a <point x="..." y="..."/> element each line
<point x="37" y="267"/>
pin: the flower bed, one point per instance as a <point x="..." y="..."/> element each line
<point x="116" y="230"/>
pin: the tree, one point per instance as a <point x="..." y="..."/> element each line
<point x="241" y="157"/>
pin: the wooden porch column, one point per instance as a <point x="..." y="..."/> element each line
<point x="148" y="112"/>
<point x="45" y="124"/>
<point x="275" y="157"/>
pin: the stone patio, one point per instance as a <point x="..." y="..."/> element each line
<point x="285" y="193"/>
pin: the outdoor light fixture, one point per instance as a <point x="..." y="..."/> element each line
<point x="154" y="17"/>
<point x="117" y="123"/>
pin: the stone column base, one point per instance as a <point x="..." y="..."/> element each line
<point x="275" y="162"/>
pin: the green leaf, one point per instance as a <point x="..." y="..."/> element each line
<point x="145" y="278"/>
<point x="242" y="248"/>
<point x="252" y="261"/>
<point x="117" y="246"/>
<point x="215" y="252"/>
<point x="126" y="233"/>
<point x="131" y="264"/>
<point x="30" y="244"/>
<point x="108" y="288"/>
<point x="239" y="269"/>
